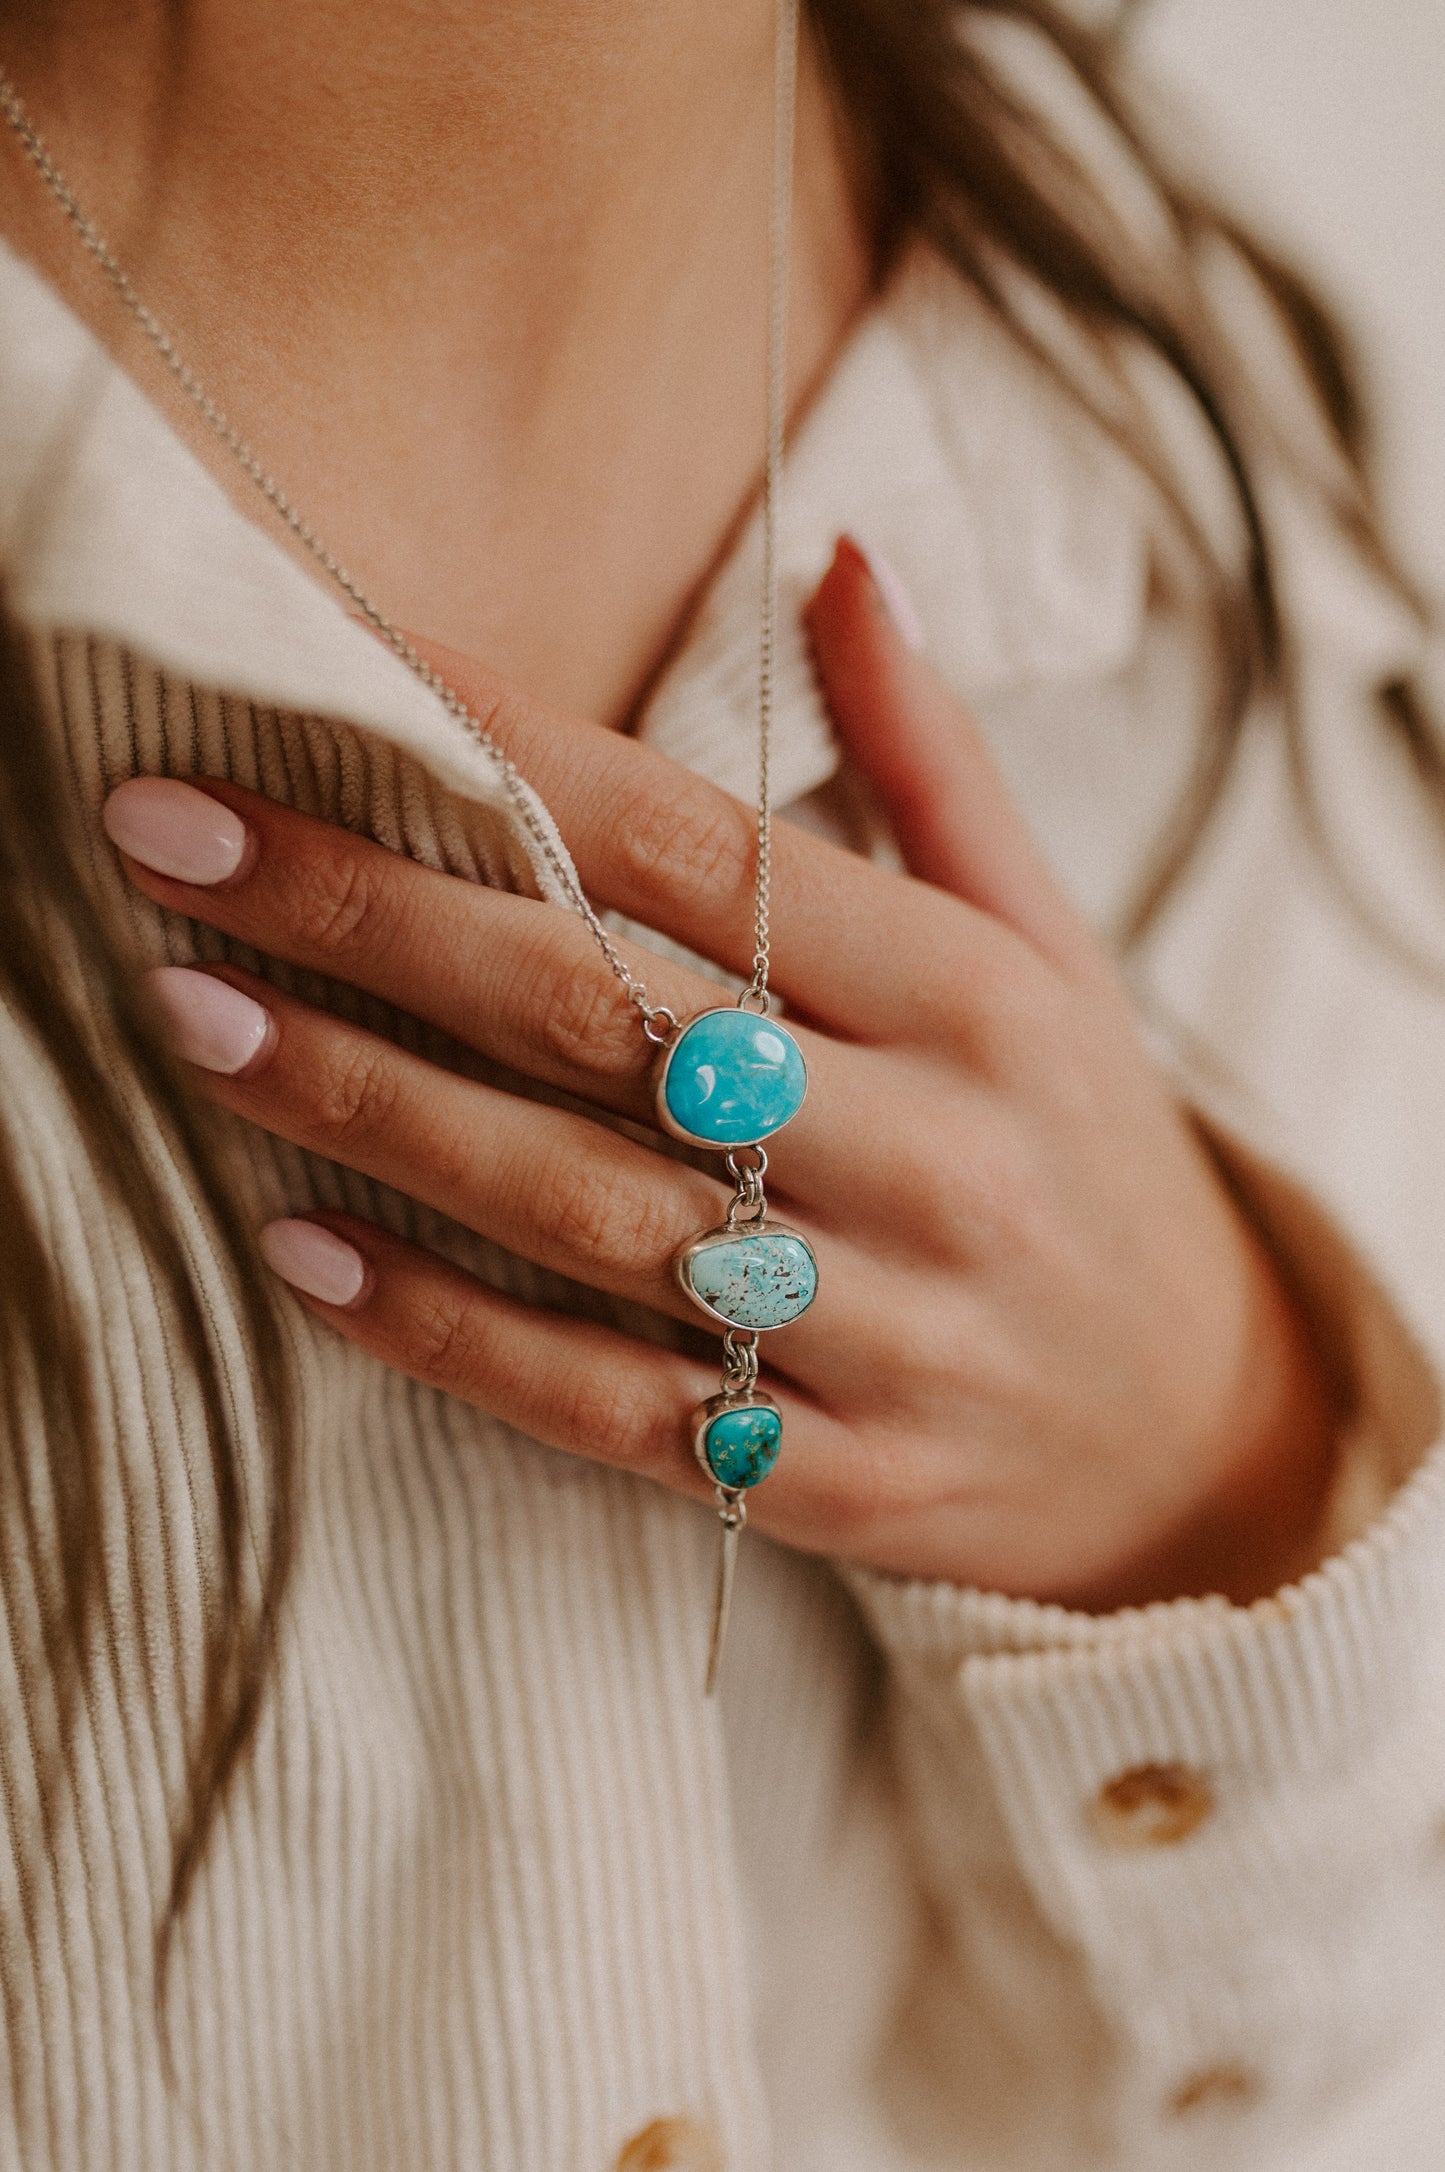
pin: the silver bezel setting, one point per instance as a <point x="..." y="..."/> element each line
<point x="664" y="1115"/>
<point x="715" y="1407"/>
<point x="704" y="1242"/>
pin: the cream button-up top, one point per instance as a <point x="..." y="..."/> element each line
<point x="941" y="1882"/>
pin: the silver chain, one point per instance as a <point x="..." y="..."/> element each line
<point x="785" y="89"/>
<point x="658" y="1022"/>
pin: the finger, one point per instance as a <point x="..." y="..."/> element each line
<point x="568" y="1383"/>
<point x="556" y="1189"/>
<point x="516" y="980"/>
<point x="565" y="1193"/>
<point x="855" y="948"/>
<point x="955" y="821"/>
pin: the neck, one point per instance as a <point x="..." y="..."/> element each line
<point x="484" y="274"/>
<point x="517" y="142"/>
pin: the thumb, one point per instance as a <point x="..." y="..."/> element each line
<point x="921" y="751"/>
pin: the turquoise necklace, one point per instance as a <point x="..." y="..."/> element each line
<point x="727" y="1079"/>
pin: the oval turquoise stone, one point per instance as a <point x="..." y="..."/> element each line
<point x="762" y="1280"/>
<point x="733" y="1078"/>
<point x="741" y="1446"/>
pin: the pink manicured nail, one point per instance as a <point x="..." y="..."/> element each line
<point x="310" y="1258"/>
<point x="174" y="829"/>
<point x="899" y="603"/>
<point x="210" y="1022"/>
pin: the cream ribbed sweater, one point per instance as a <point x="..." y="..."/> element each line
<point x="497" y="1890"/>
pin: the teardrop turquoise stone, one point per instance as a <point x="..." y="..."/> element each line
<point x="741" y="1446"/>
<point x="733" y="1078"/>
<point x="760" y="1280"/>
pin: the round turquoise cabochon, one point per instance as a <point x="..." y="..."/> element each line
<point x="741" y="1446"/>
<point x="731" y="1078"/>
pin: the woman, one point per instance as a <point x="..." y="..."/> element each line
<point x="1073" y="1793"/>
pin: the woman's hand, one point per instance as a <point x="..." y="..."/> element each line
<point x="1047" y="1357"/>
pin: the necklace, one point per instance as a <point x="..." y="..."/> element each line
<point x="728" y="1078"/>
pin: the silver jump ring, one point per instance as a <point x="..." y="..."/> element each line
<point x="755" y="999"/>
<point x="740" y="1172"/>
<point x="650" y="1020"/>
<point x="745" y="1212"/>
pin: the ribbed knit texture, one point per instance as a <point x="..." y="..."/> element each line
<point x="425" y="1924"/>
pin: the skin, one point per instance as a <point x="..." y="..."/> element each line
<point x="1049" y="1356"/>
<point x="457" y="268"/>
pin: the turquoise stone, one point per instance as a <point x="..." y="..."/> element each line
<point x="731" y="1079"/>
<point x="741" y="1446"/>
<point x="758" y="1279"/>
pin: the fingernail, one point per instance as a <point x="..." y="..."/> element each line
<point x="210" y="1022"/>
<point x="896" y="599"/>
<point x="311" y="1259"/>
<point x="174" y="829"/>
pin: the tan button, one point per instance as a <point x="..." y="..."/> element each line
<point x="1151" y="1806"/>
<point x="1214" y="2086"/>
<point x="671" y="2145"/>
